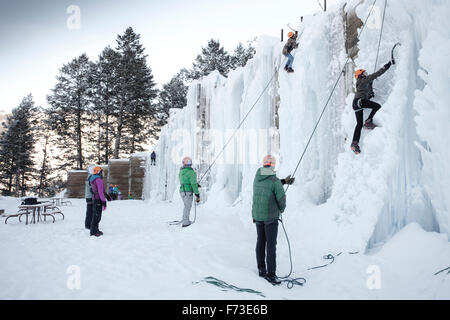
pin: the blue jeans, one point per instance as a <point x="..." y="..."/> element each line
<point x="290" y="60"/>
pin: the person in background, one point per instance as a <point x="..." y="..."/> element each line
<point x="188" y="188"/>
<point x="89" y="203"/>
<point x="153" y="158"/>
<point x="130" y="196"/>
<point x="115" y="191"/>
<point x="120" y="196"/>
<point x="269" y="201"/>
<point x="111" y="191"/>
<point x="99" y="200"/>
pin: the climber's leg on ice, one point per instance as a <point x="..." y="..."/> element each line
<point x="290" y="62"/>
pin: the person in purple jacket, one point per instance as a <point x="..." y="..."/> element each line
<point x="99" y="200"/>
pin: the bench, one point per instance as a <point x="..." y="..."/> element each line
<point x="18" y="214"/>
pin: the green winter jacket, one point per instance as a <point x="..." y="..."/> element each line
<point x="269" y="199"/>
<point x="188" y="180"/>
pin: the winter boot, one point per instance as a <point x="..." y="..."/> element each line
<point x="369" y="124"/>
<point x="262" y="272"/>
<point x="290" y="70"/>
<point x="273" y="279"/>
<point x="355" y="148"/>
<point x="286" y="68"/>
<point x="97" y="234"/>
<point x="186" y="225"/>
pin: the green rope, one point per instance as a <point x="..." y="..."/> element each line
<point x="226" y="286"/>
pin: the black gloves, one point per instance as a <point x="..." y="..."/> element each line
<point x="288" y="180"/>
<point x="388" y="65"/>
<point x="197" y="198"/>
<point x="104" y="204"/>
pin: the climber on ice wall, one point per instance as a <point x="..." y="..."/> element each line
<point x="364" y="92"/>
<point x="288" y="47"/>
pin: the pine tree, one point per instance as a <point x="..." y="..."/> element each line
<point x="242" y="55"/>
<point x="70" y="109"/>
<point x="105" y="102"/>
<point x="17" y="147"/>
<point x="136" y="95"/>
<point x="173" y="95"/>
<point x="45" y="177"/>
<point x="213" y="57"/>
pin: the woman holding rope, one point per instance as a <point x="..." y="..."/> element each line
<point x="269" y="201"/>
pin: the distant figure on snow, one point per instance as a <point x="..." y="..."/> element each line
<point x="289" y="46"/>
<point x="153" y="158"/>
<point x="364" y="92"/>
<point x="130" y="196"/>
<point x="188" y="188"/>
<point x="269" y="201"/>
<point x="99" y="200"/>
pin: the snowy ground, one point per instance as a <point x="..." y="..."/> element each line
<point x="141" y="257"/>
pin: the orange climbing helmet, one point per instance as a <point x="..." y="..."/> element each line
<point x="97" y="170"/>
<point x="187" y="161"/>
<point x="290" y="34"/>
<point x="269" y="161"/>
<point x="360" y="72"/>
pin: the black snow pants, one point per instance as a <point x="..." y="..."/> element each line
<point x="266" y="241"/>
<point x="96" y="216"/>
<point x="358" y="108"/>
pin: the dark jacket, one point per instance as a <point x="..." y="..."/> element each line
<point x="269" y="199"/>
<point x="153" y="155"/>
<point x="290" y="45"/>
<point x="364" y="88"/>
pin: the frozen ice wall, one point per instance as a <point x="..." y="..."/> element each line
<point x="339" y="201"/>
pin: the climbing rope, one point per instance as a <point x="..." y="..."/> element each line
<point x="448" y="268"/>
<point x="241" y="123"/>
<point x="381" y="33"/>
<point x="314" y="131"/>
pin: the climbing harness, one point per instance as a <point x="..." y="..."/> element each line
<point x="359" y="105"/>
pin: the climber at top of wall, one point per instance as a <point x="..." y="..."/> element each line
<point x="290" y="45"/>
<point x="364" y="92"/>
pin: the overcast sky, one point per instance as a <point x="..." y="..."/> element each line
<point x="36" y="40"/>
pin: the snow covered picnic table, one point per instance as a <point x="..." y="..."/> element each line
<point x="40" y="209"/>
<point x="60" y="201"/>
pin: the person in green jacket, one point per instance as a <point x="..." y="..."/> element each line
<point x="188" y="188"/>
<point x="269" y="201"/>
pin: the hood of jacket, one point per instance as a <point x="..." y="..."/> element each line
<point x="264" y="173"/>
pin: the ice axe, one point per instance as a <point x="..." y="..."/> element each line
<point x="392" y="52"/>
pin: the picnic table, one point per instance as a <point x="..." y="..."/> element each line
<point x="43" y="209"/>
<point x="60" y="201"/>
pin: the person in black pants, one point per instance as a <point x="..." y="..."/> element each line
<point x="99" y="201"/>
<point x="364" y="92"/>
<point x="89" y="203"/>
<point x="266" y="240"/>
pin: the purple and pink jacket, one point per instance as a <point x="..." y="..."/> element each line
<point x="97" y="188"/>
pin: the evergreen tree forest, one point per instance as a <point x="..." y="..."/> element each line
<point x="98" y="110"/>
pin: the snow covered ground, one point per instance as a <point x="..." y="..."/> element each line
<point x="141" y="257"/>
